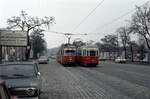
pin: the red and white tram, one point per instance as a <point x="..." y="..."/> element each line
<point x="88" y="55"/>
<point x="67" y="54"/>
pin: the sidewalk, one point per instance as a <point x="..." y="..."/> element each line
<point x="135" y="62"/>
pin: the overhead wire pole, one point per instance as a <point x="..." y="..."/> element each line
<point x="87" y="16"/>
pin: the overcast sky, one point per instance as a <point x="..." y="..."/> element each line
<point x="69" y="13"/>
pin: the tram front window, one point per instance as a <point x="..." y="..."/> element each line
<point x="92" y="53"/>
<point x="70" y="53"/>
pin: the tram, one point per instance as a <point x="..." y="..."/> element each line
<point x="67" y="54"/>
<point x="88" y="55"/>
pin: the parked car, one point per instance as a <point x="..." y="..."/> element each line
<point x="43" y="59"/>
<point x="102" y="58"/>
<point x="120" y="60"/>
<point x="22" y="79"/>
<point x="53" y="57"/>
<point x="4" y="92"/>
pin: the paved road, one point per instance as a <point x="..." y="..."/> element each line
<point x="106" y="81"/>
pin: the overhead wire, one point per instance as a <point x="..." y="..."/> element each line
<point x="87" y="16"/>
<point x="56" y="32"/>
<point x="66" y="33"/>
<point x="107" y="24"/>
<point x="118" y="18"/>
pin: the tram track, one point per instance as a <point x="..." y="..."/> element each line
<point x="132" y="90"/>
<point x="78" y="82"/>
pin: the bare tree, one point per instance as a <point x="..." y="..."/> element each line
<point x="27" y="23"/>
<point x="125" y="38"/>
<point x="140" y="23"/>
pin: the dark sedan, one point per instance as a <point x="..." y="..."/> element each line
<point x="22" y="79"/>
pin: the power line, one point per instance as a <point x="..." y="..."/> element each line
<point x="62" y="33"/>
<point x="56" y="32"/>
<point x="118" y="18"/>
<point x="67" y="35"/>
<point x="107" y="24"/>
<point x="87" y="16"/>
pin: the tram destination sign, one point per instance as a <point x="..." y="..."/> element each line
<point x="13" y="38"/>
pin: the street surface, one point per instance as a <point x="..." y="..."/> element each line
<point x="108" y="80"/>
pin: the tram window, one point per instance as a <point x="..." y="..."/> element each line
<point x="84" y="52"/>
<point x="63" y="52"/>
<point x="88" y="53"/>
<point x="96" y="53"/>
<point x="79" y="52"/>
<point x="92" y="53"/>
<point x="70" y="52"/>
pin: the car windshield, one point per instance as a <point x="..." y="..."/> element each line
<point x="17" y="71"/>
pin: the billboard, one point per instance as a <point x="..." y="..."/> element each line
<point x="13" y="38"/>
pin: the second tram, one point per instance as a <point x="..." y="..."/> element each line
<point x="88" y="55"/>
